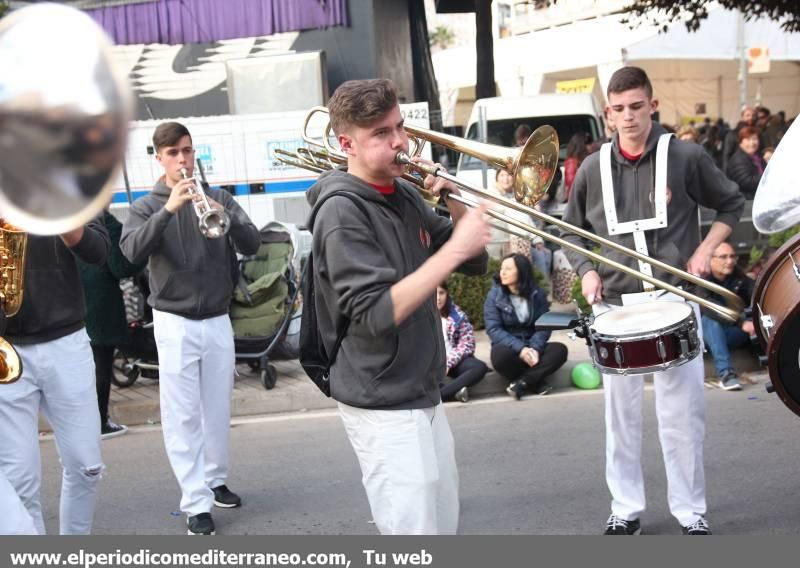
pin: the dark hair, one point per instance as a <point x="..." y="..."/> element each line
<point x="445" y="311"/>
<point x="747" y="132"/>
<point x="525" y="279"/>
<point x="497" y="173"/>
<point x="168" y="134"/>
<point x="628" y="78"/>
<point x="577" y="146"/>
<point x="360" y="103"/>
<point x="522" y="131"/>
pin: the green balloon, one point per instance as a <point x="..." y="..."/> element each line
<point x="585" y="376"/>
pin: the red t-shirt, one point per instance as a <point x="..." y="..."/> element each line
<point x="383" y="189"/>
<point x="631" y="157"/>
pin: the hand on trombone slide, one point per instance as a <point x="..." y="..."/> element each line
<point x="436" y="185"/>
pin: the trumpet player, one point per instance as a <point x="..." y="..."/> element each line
<point x="57" y="380"/>
<point x="192" y="277"/>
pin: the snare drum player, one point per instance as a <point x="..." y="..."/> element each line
<point x="642" y="190"/>
<point x="191" y="283"/>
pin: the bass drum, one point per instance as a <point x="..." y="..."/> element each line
<point x="776" y="307"/>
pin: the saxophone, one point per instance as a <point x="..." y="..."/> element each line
<point x="13" y="246"/>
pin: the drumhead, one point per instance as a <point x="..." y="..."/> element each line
<point x="641" y="318"/>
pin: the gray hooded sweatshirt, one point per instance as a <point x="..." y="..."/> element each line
<point x="357" y="259"/>
<point x="693" y="180"/>
<point x="190" y="275"/>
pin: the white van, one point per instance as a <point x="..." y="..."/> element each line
<point x="567" y="113"/>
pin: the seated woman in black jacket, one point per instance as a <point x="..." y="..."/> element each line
<point x="519" y="352"/>
<point x="745" y="166"/>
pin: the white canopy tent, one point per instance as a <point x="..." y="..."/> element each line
<point x="687" y="69"/>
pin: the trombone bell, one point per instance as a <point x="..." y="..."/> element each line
<point x="535" y="166"/>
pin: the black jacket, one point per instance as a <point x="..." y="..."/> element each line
<point x="52" y="304"/>
<point x="106" y="323"/>
<point x="738" y="283"/>
<point x="744" y="172"/>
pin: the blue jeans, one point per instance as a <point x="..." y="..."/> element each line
<point x="720" y="338"/>
<point x="542" y="260"/>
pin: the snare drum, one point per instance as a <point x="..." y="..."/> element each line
<point x="644" y="338"/>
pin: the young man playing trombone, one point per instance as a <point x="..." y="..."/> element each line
<point x="192" y="277"/>
<point x="645" y="188"/>
<point x="377" y="264"/>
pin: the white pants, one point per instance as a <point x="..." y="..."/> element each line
<point x="15" y="518"/>
<point x="680" y="409"/>
<point x="408" y="468"/>
<point x="58" y="379"/>
<point x="196" y="363"/>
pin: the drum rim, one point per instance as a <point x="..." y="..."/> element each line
<point x="677" y="362"/>
<point x="649" y="334"/>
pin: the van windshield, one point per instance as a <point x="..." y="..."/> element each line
<point x="501" y="132"/>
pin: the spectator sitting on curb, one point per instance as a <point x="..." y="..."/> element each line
<point x="463" y="368"/>
<point x="520" y="352"/>
<point x="720" y="337"/>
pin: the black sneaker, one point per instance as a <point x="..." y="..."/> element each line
<point x="225" y="498"/>
<point x="112" y="429"/>
<point x="542" y="389"/>
<point x="516" y="389"/>
<point x="201" y="524"/>
<point x="617" y="526"/>
<point x="462" y="395"/>
<point x="697" y="528"/>
<point x="729" y="381"/>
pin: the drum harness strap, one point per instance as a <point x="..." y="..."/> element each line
<point x="637" y="226"/>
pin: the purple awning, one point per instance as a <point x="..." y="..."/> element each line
<point x="203" y="21"/>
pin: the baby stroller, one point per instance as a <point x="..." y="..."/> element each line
<point x="265" y="311"/>
<point x="139" y="356"/>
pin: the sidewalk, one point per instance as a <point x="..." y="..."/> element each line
<point x="294" y="391"/>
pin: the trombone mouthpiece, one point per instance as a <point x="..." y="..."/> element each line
<point x="402" y="158"/>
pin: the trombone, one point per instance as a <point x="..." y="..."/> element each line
<point x="532" y="166"/>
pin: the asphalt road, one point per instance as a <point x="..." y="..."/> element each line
<point x="529" y="467"/>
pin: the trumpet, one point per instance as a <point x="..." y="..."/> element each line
<point x="213" y="223"/>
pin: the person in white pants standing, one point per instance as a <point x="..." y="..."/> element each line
<point x="643" y="190"/>
<point x="15" y="518"/>
<point x="57" y="380"/>
<point x="379" y="253"/>
<point x="192" y="277"/>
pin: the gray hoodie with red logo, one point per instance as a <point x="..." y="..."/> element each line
<point x="693" y="180"/>
<point x="357" y="259"/>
